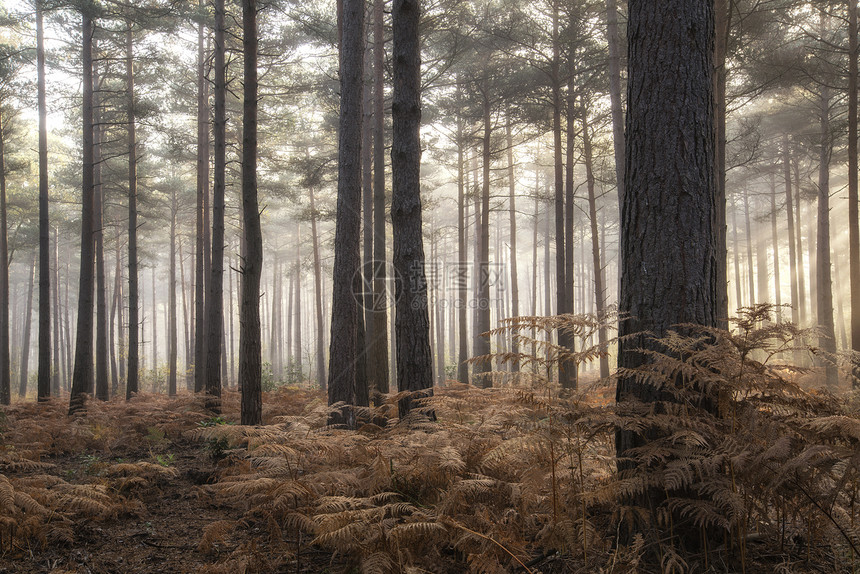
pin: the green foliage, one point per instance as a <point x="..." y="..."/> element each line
<point x="165" y="460"/>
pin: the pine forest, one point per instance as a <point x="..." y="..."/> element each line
<point x="429" y="286"/>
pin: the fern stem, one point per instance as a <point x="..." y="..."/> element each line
<point x="456" y="524"/>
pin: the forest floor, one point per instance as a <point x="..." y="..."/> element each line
<point x="498" y="480"/>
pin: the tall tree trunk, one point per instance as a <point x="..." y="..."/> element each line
<point x="670" y="146"/>
<point x="214" y="299"/>
<point x="67" y="328"/>
<point x="570" y="368"/>
<point x="736" y="256"/>
<point x="827" y="339"/>
<point x="172" y="343"/>
<point x="853" y="215"/>
<point x="722" y="25"/>
<point x="512" y="210"/>
<point x="565" y="378"/>
<point x="230" y="314"/>
<point x="116" y="301"/>
<point x="414" y="371"/>
<point x="203" y="253"/>
<point x="82" y="378"/>
<point x="774" y="237"/>
<point x="102" y="385"/>
<point x="274" y="359"/>
<point x="613" y="39"/>
<point x="44" y="384"/>
<point x="379" y="339"/>
<point x="25" y="337"/>
<point x="792" y="242"/>
<point x="599" y="283"/>
<point x="298" y="319"/>
<point x="480" y="371"/>
<point x="56" y="366"/>
<point x="250" y="344"/>
<point x="318" y="302"/>
<point x="750" y="269"/>
<point x="155" y="381"/>
<point x="189" y="383"/>
<point x="343" y="351"/>
<point x="5" y="359"/>
<point x="133" y="382"/>
<point x="366" y="284"/>
<point x="462" y="257"/>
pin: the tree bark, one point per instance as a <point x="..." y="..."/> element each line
<point x="5" y="359"/>
<point x="56" y="366"/>
<point x="462" y="257"/>
<point x="250" y="344"/>
<point x="44" y="384"/>
<point x="722" y="25"/>
<point x="827" y="339"/>
<point x="792" y="249"/>
<point x="480" y="372"/>
<point x="82" y="377"/>
<point x="25" y="337"/>
<point x="202" y="244"/>
<point x="414" y="370"/>
<point x="613" y="39"/>
<point x="774" y="237"/>
<point x="102" y="385"/>
<point x="214" y="296"/>
<point x="133" y="383"/>
<point x="512" y="210"/>
<point x="853" y="215"/>
<point x="599" y="282"/>
<point x="379" y="339"/>
<point x="318" y="306"/>
<point x="343" y="351"/>
<point x="669" y="254"/>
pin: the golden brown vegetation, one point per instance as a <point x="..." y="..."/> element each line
<point x="517" y="478"/>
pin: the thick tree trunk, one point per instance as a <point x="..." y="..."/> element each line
<point x="172" y="343"/>
<point x="668" y="269"/>
<point x="722" y="25"/>
<point x="133" y="383"/>
<point x="343" y="351"/>
<point x="366" y="283"/>
<point x="44" y="384"/>
<point x="214" y="296"/>
<point x="250" y="344"/>
<point x="23" y="369"/>
<point x="82" y="377"/>
<point x="414" y="370"/>
<point x="379" y="340"/>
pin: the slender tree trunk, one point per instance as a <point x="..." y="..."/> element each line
<point x="722" y="25"/>
<point x="480" y="372"/>
<point x="298" y="321"/>
<point x="25" y="337"/>
<point x="44" y="385"/>
<point x="750" y="269"/>
<point x="379" y="338"/>
<point x="133" y="382"/>
<point x="274" y="359"/>
<point x="368" y="214"/>
<point x="102" y="385"/>
<point x="203" y="255"/>
<point x="186" y="320"/>
<point x="56" y="366"/>
<point x="599" y="283"/>
<point x="116" y="301"/>
<point x="155" y="381"/>
<point x="172" y="343"/>
<point x="214" y="300"/>
<point x="67" y="329"/>
<point x="318" y="305"/>
<point x="827" y="339"/>
<point x="82" y="378"/>
<point x="792" y="249"/>
<point x="534" y="292"/>
<point x="290" y="298"/>
<point x="462" y="257"/>
<point x="565" y="377"/>
<point x="512" y="207"/>
<point x="414" y="371"/>
<point x="853" y="215"/>
<point x="5" y="359"/>
<point x="774" y="237"/>
<point x="570" y="375"/>
<point x="763" y="287"/>
<point x="250" y="344"/>
<point x="613" y="40"/>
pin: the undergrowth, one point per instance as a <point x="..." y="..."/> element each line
<point x="758" y="468"/>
